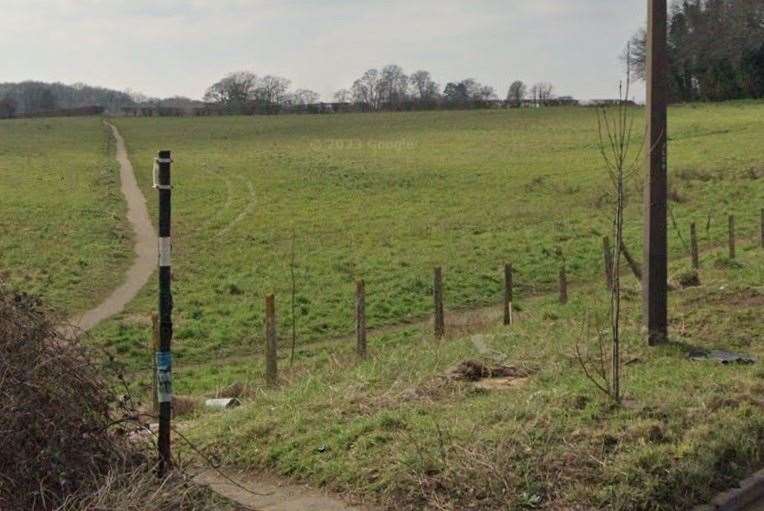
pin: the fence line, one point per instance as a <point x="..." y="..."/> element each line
<point x="439" y="326"/>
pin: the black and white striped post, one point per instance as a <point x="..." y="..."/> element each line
<point x="162" y="183"/>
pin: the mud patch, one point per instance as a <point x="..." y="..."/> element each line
<point x="477" y="371"/>
<point x="745" y="298"/>
<point x="722" y="357"/>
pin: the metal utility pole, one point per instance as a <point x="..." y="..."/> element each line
<point x="655" y="276"/>
<point x="162" y="183"/>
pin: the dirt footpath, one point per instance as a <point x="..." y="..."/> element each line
<point x="259" y="493"/>
<point x="145" y="246"/>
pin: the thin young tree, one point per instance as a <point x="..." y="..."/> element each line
<point x="622" y="161"/>
<point x="293" y="296"/>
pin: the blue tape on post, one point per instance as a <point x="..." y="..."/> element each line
<point x="164" y="376"/>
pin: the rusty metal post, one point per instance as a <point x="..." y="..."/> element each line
<point x="655" y="278"/>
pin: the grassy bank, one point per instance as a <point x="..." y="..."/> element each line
<point x="63" y="235"/>
<point x="388" y="196"/>
<point x="395" y="431"/>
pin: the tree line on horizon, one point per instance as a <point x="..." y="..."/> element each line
<point x="28" y="98"/>
<point x="716" y="53"/>
<point x="389" y="88"/>
<point x="31" y="97"/>
<point x="715" y="50"/>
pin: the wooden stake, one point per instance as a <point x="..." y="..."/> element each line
<point x="271" y="342"/>
<point x="437" y="294"/>
<point x="563" y="285"/>
<point x="360" y="318"/>
<point x="636" y="268"/>
<point x="731" y="222"/>
<point x="508" y="291"/>
<point x="607" y="255"/>
<point x="694" y="246"/>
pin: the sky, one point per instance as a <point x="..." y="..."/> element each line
<point x="179" y="47"/>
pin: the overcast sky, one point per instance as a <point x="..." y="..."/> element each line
<point x="180" y="47"/>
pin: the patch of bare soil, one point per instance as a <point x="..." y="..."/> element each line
<point x="475" y="370"/>
<point x="262" y="493"/>
<point x="488" y="376"/>
<point x="749" y="297"/>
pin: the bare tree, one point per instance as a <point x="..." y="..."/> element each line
<point x="272" y="90"/>
<point x="366" y="90"/>
<point x="425" y="89"/>
<point x="486" y="93"/>
<point x="343" y="96"/>
<point x="393" y="85"/>
<point x="535" y="93"/>
<point x="517" y="92"/>
<point x="622" y="161"/>
<point x="304" y="97"/>
<point x="545" y="91"/>
<point x="233" y="90"/>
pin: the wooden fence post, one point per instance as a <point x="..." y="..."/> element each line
<point x="360" y="318"/>
<point x="563" y="284"/>
<point x="731" y="222"/>
<point x="694" y="246"/>
<point x="607" y="254"/>
<point x="437" y="294"/>
<point x="271" y="342"/>
<point x="636" y="268"/>
<point x="508" y="291"/>
<point x="153" y="348"/>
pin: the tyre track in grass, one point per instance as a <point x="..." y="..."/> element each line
<point x="144" y="246"/>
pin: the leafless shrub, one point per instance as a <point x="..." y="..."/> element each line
<point x="56" y="411"/>
<point x="67" y="441"/>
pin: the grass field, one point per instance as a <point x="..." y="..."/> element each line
<point x="394" y="430"/>
<point x="63" y="234"/>
<point x="386" y="197"/>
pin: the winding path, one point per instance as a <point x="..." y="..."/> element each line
<point x="144" y="244"/>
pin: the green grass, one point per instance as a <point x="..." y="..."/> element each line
<point x="63" y="235"/>
<point x="392" y="430"/>
<point x="386" y="197"/>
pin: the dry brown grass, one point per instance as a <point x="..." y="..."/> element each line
<point x="56" y="408"/>
<point x="65" y="437"/>
<point x="137" y="489"/>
